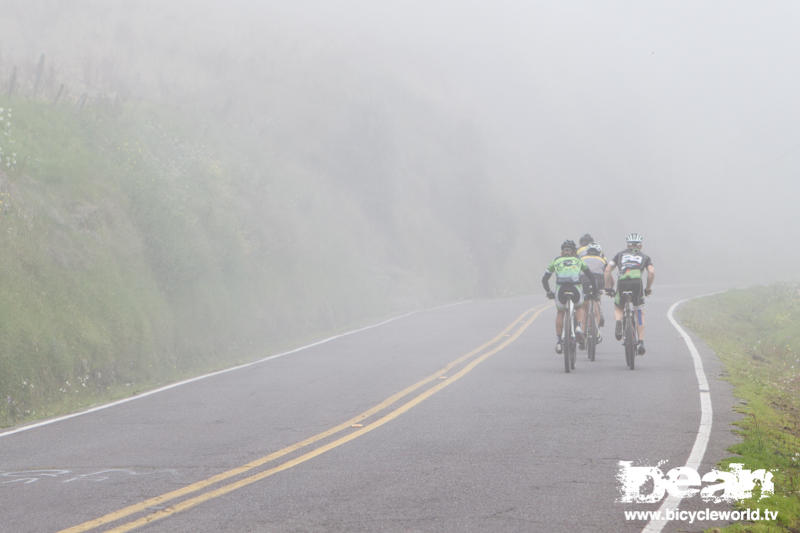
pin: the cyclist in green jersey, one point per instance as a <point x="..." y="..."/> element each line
<point x="567" y="268"/>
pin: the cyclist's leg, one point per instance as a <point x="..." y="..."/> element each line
<point x="598" y="317"/>
<point x="618" y="305"/>
<point x="599" y="281"/>
<point x="639" y="316"/>
<point x="618" y="322"/>
<point x="638" y="299"/>
<point x="561" y="308"/>
<point x="559" y="318"/>
<point x="580" y="316"/>
<point x="586" y="291"/>
<point x="559" y="322"/>
<point x="640" y="322"/>
<point x="598" y="312"/>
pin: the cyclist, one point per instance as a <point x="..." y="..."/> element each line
<point x="567" y="268"/>
<point x="596" y="262"/>
<point x="584" y="241"/>
<point x="632" y="265"/>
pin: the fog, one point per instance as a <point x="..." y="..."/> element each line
<point x="677" y="120"/>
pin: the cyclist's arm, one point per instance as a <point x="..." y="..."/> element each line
<point x="608" y="277"/>
<point x="546" y="280"/>
<point x="651" y="275"/>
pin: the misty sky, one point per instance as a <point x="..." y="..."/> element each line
<point x="674" y="119"/>
<point x="686" y="111"/>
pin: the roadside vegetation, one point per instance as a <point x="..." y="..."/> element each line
<point x="756" y="333"/>
<point x="141" y="244"/>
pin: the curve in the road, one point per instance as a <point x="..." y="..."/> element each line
<point x="706" y="417"/>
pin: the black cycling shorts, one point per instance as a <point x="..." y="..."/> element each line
<point x="566" y="292"/>
<point x="633" y="285"/>
<point x="600" y="283"/>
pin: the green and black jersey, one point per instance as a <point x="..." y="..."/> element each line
<point x="631" y="264"/>
<point x="567" y="269"/>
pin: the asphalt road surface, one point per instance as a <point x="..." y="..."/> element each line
<point x="459" y="418"/>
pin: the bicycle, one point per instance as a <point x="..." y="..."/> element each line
<point x="570" y="341"/>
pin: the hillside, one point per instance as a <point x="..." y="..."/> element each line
<point x="142" y="244"/>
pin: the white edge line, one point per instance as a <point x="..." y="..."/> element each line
<point x="219" y="372"/>
<point x="706" y="417"/>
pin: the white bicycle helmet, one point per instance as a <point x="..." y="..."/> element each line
<point x="634" y="238"/>
<point x="596" y="248"/>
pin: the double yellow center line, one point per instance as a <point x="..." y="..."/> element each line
<point x="475" y="357"/>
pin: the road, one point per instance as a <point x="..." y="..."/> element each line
<point x="459" y="418"/>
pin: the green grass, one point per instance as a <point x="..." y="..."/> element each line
<point x="81" y="311"/>
<point x="141" y="246"/>
<point x="756" y="334"/>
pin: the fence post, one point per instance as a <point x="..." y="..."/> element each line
<point x="58" y="96"/>
<point x="39" y="71"/>
<point x="12" y="83"/>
